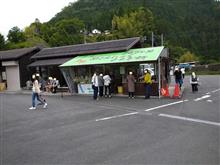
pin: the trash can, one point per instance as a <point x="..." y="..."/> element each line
<point x="120" y="90"/>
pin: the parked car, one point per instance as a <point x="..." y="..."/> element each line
<point x="185" y="65"/>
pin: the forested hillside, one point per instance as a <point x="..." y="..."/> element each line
<point x="189" y="26"/>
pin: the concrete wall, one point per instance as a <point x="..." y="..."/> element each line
<point x="12" y="75"/>
<point x="13" y="78"/>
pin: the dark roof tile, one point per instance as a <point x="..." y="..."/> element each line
<point x="90" y="48"/>
<point x="15" y="54"/>
<point x="49" y="62"/>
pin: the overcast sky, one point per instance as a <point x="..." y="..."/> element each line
<point x="22" y="13"/>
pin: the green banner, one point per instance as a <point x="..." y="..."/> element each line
<point x="132" y="55"/>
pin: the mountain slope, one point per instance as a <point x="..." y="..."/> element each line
<point x="191" y="24"/>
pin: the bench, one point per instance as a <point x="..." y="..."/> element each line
<point x="62" y="90"/>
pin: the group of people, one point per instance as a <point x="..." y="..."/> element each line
<point x="131" y="84"/>
<point x="51" y="85"/>
<point x="101" y="84"/>
<point x="179" y="76"/>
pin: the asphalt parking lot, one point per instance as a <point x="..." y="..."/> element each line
<point x="79" y="130"/>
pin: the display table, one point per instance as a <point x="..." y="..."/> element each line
<point x="140" y="89"/>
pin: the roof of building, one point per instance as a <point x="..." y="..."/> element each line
<point x="89" y="48"/>
<point x="49" y="62"/>
<point x="15" y="54"/>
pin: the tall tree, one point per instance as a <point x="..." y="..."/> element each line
<point x="67" y="32"/>
<point x="2" y="42"/>
<point x="15" y="35"/>
<point x="136" y="23"/>
<point x="188" y="57"/>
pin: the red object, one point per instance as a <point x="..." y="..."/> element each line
<point x="163" y="92"/>
<point x="167" y="94"/>
<point x="176" y="93"/>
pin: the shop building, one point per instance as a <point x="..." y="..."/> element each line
<point x="47" y="61"/>
<point x="14" y="71"/>
<point x="79" y="70"/>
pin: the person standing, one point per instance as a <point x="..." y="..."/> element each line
<point x="107" y="84"/>
<point x="36" y="92"/>
<point x="148" y="82"/>
<point x="178" y="77"/>
<point x="55" y="84"/>
<point x="131" y="85"/>
<point x="95" y="86"/>
<point x="183" y="72"/>
<point x="112" y="84"/>
<point x="194" y="82"/>
<point x="101" y="84"/>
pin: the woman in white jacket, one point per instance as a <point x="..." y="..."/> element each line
<point x="36" y="92"/>
<point x="95" y="86"/>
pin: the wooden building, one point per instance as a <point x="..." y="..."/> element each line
<point x="13" y="67"/>
<point x="47" y="61"/>
<point x="79" y="70"/>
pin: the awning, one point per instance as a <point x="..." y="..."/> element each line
<point x="49" y="62"/>
<point x="132" y="55"/>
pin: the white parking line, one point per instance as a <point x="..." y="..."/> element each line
<point x="216" y="90"/>
<point x="134" y="113"/>
<point x="190" y="119"/>
<point x="165" y="105"/>
<point x="203" y="97"/>
<point x="117" y="116"/>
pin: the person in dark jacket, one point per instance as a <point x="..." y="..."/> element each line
<point x="101" y="84"/>
<point x="178" y="77"/>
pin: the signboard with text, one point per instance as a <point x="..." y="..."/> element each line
<point x="132" y="55"/>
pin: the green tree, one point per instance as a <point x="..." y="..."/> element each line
<point x="190" y="24"/>
<point x="176" y="51"/>
<point x="34" y="29"/>
<point x="2" y="42"/>
<point x="67" y="32"/>
<point x="188" y="57"/>
<point x="15" y="35"/>
<point x="137" y="23"/>
<point x="33" y="35"/>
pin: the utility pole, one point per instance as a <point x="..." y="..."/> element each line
<point x="152" y="38"/>
<point x="162" y="39"/>
<point x="84" y="32"/>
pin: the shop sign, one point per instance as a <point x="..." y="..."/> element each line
<point x="132" y="55"/>
<point x="85" y="89"/>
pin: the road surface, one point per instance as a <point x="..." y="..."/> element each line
<point x="78" y="130"/>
